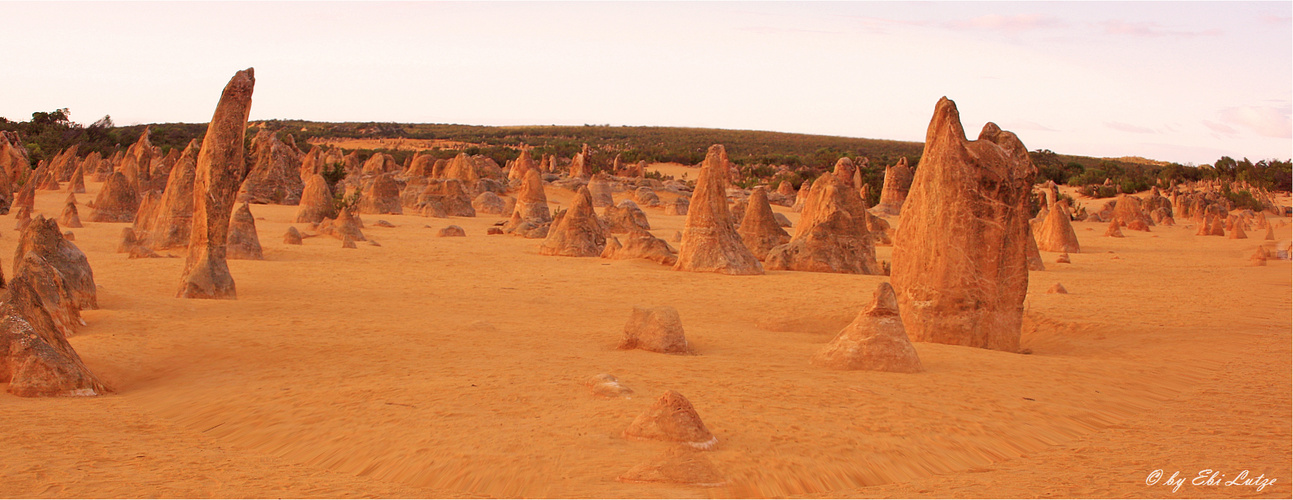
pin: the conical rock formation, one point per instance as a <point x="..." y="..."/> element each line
<point x="1056" y="234"/>
<point x="243" y="242"/>
<point x="875" y="340"/>
<point x="672" y="418"/>
<point x="43" y="238"/>
<point x="316" y="201"/>
<point x="577" y="232"/>
<point x="760" y="230"/>
<point x="832" y="236"/>
<point x="118" y="201"/>
<point x="710" y="242"/>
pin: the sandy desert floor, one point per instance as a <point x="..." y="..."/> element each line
<point x="455" y="367"/>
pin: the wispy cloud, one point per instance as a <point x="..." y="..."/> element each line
<point x="1149" y="29"/>
<point x="880" y="25"/>
<point x="1269" y="18"/>
<point x="1124" y="127"/>
<point x="774" y="30"/>
<point x="1220" y="127"/>
<point x="1009" y="24"/>
<point x="1267" y="121"/>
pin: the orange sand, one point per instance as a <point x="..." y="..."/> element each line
<point x="453" y="367"/>
<point x="677" y="170"/>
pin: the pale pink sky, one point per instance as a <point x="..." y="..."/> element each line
<point x="1177" y="81"/>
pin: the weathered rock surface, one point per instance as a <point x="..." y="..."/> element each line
<point x="35" y="358"/>
<point x="346" y="225"/>
<point x="1034" y="256"/>
<point x="875" y="340"/>
<point x="316" y="201"/>
<point x="381" y="196"/>
<point x="244" y="243"/>
<point x="576" y="232"/>
<point x="646" y="197"/>
<point x="608" y="386"/>
<point x="70" y="217"/>
<point x="672" y="418"/>
<point x="710" y="242"/>
<point x="897" y="182"/>
<point x="220" y="165"/>
<point x="1113" y="231"/>
<point x="43" y="238"/>
<point x="275" y="177"/>
<point x="832" y="236"/>
<point x="760" y="230"/>
<point x="117" y="201"/>
<point x="680" y="206"/>
<point x="1056" y="234"/>
<point x="655" y="329"/>
<point x="172" y="219"/>
<point x="959" y="265"/>
<point x="293" y="236"/>
<point x="625" y="217"/>
<point x="488" y="203"/>
<point x="640" y="244"/>
<point x="600" y="190"/>
<point x="450" y="231"/>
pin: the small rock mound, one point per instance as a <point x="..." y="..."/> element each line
<point x="680" y="206"/>
<point x="293" y="236"/>
<point x="488" y="203"/>
<point x="1057" y="288"/>
<point x="625" y="217"/>
<point x="243" y="242"/>
<point x="672" y="418"/>
<point x="657" y="329"/>
<point x="875" y="340"/>
<point x="646" y="197"/>
<point x="346" y="225"/>
<point x="450" y="231"/>
<point x="70" y="217"/>
<point x="607" y="386"/>
<point x="1114" y="231"/>
<point x="639" y="244"/>
<point x="1260" y="257"/>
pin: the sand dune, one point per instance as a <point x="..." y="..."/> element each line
<point x="455" y="367"/>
